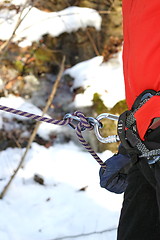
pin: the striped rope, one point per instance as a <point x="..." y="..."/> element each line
<point x="82" y="125"/>
<point x="35" y="117"/>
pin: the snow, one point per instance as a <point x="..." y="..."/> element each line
<point x="37" y="23"/>
<point x="96" y="76"/>
<point x="59" y="208"/>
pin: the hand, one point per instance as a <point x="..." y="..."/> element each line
<point x="114" y="177"/>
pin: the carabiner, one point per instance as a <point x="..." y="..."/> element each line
<point x="109" y="139"/>
<point x="94" y="121"/>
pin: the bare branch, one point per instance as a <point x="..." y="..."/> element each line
<point x="86" y="234"/>
<point x="5" y="45"/>
<point x="53" y="92"/>
<point x="92" y="42"/>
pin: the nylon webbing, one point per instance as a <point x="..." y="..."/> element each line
<point x="131" y="124"/>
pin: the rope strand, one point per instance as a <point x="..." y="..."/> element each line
<point x="35" y="117"/>
<point x="82" y="125"/>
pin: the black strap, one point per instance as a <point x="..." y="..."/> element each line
<point x="121" y="129"/>
<point x="129" y="136"/>
<point x="144" y="95"/>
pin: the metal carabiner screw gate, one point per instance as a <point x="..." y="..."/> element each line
<point x="109" y="139"/>
<point x="95" y="122"/>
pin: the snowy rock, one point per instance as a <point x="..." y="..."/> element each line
<point x="96" y="76"/>
<point x="37" y="23"/>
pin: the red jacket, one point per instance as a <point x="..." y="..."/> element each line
<point x="141" y="56"/>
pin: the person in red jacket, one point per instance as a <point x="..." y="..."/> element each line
<point x="140" y="214"/>
<point x="141" y="55"/>
<point x="135" y="170"/>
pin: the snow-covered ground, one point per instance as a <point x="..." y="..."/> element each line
<point x="59" y="209"/>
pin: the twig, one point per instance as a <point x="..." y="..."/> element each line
<point x="85" y="234"/>
<point x="53" y="92"/>
<point x="92" y="43"/>
<point x="6" y="44"/>
<point x="17" y="142"/>
<point x="104" y="12"/>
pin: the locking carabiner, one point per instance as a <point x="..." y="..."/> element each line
<point x="109" y="139"/>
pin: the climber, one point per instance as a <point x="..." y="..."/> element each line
<point x="137" y="170"/>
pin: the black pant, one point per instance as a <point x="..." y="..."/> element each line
<point x="139" y="219"/>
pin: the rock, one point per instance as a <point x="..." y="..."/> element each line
<point x="39" y="179"/>
<point x="31" y="84"/>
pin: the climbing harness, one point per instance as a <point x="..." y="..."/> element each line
<point x="84" y="123"/>
<point x="127" y="131"/>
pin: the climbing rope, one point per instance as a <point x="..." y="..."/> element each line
<point x="83" y="124"/>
